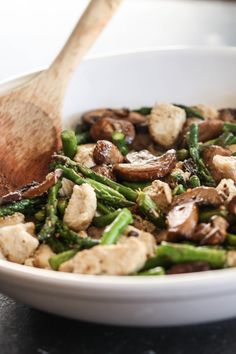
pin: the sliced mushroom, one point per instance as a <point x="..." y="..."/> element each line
<point x="188" y="267"/>
<point x="105" y="127"/>
<point x="227" y="114"/>
<point x="142" y="157"/>
<point x="91" y="117"/>
<point x="141" y="141"/>
<point x="182" y="219"/>
<point x="226" y="165"/>
<point x="212" y="233"/>
<point x="32" y="190"/>
<point x="159" y="168"/>
<point x="209" y="129"/>
<point x="199" y="195"/>
<point x="165" y="123"/>
<point x="208" y="155"/>
<point x="232" y="206"/>
<point x="106" y="153"/>
<point x="104" y="171"/>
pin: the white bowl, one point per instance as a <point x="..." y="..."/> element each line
<point x="183" y="76"/>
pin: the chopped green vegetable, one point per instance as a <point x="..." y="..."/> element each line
<point x="118" y="139"/>
<point x="69" y="143"/>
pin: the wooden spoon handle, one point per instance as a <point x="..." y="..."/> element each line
<point x="92" y="22"/>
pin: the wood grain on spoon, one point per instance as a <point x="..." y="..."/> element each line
<point x="30" y="115"/>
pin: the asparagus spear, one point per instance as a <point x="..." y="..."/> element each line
<point x="57" y="260"/>
<point x="206" y="215"/>
<point x="179" y="189"/>
<point x="190" y="111"/>
<point x="48" y="228"/>
<point x="105" y="220"/>
<point x="40" y="215"/>
<point x="82" y="138"/>
<point x="118" y="139"/>
<point x="61" y="205"/>
<point x="229" y="127"/>
<point x="226" y="138"/>
<point x="153" y="271"/>
<point x="145" y="111"/>
<point x="231" y="239"/>
<point x="137" y="185"/>
<point x="104" y="209"/>
<point x="114" y="230"/>
<point x="102" y="191"/>
<point x="56" y="245"/>
<point x="22" y="206"/>
<point x="150" y="209"/>
<point x="194" y="181"/>
<point x="182" y="154"/>
<point x="153" y="262"/>
<point x="125" y="191"/>
<point x="203" y="172"/>
<point x="72" y="238"/>
<point x="69" y="143"/>
<point x="179" y="253"/>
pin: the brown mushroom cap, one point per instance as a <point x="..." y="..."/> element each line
<point x="210" y="129"/>
<point x="227" y="114"/>
<point x="188" y="267"/>
<point x="104" y="171"/>
<point x="212" y="233"/>
<point x="199" y="195"/>
<point x="106" y="153"/>
<point x="182" y="219"/>
<point x="91" y="117"/>
<point x="159" y="168"/>
<point x="208" y="155"/>
<point x="105" y="127"/>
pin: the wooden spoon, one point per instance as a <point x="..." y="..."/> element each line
<point x="30" y="115"/>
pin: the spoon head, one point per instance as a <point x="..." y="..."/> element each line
<point x="29" y="136"/>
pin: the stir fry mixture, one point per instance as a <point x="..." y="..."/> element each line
<point x="150" y="191"/>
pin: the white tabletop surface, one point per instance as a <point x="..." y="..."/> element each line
<point x="32" y="32"/>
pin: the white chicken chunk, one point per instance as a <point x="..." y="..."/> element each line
<point x="227" y="189"/>
<point x="146" y="237"/>
<point x="2" y="256"/>
<point x="66" y="188"/>
<point x="160" y="193"/>
<point x="207" y="112"/>
<point x="41" y="257"/>
<point x="165" y="123"/>
<point x="16" y="243"/>
<point x="226" y="165"/>
<point x="84" y="155"/>
<point x="120" y="259"/>
<point x="81" y="208"/>
<point x="14" y="219"/>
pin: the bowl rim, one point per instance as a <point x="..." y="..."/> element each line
<point x="189" y="280"/>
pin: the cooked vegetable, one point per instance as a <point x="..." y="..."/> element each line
<point x="69" y="143"/>
<point x="115" y="170"/>
<point x="112" y="233"/>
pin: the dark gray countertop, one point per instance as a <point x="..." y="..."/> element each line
<point x="24" y="330"/>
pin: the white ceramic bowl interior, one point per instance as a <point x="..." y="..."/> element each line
<point x="187" y="76"/>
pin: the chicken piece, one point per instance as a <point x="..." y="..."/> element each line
<point x="124" y="258"/>
<point x="226" y="165"/>
<point x="14" y="219"/>
<point x="227" y="189"/>
<point x="29" y="262"/>
<point x="30" y="228"/>
<point x="81" y="208"/>
<point x="208" y="155"/>
<point x="232" y="148"/>
<point x="42" y="255"/>
<point x="182" y="220"/>
<point x="106" y="153"/>
<point x="165" y="123"/>
<point x="66" y="188"/>
<point x="16" y="243"/>
<point x="212" y="233"/>
<point x="143" y="236"/>
<point x="227" y="114"/>
<point x="207" y="112"/>
<point x="160" y="193"/>
<point x="84" y="155"/>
